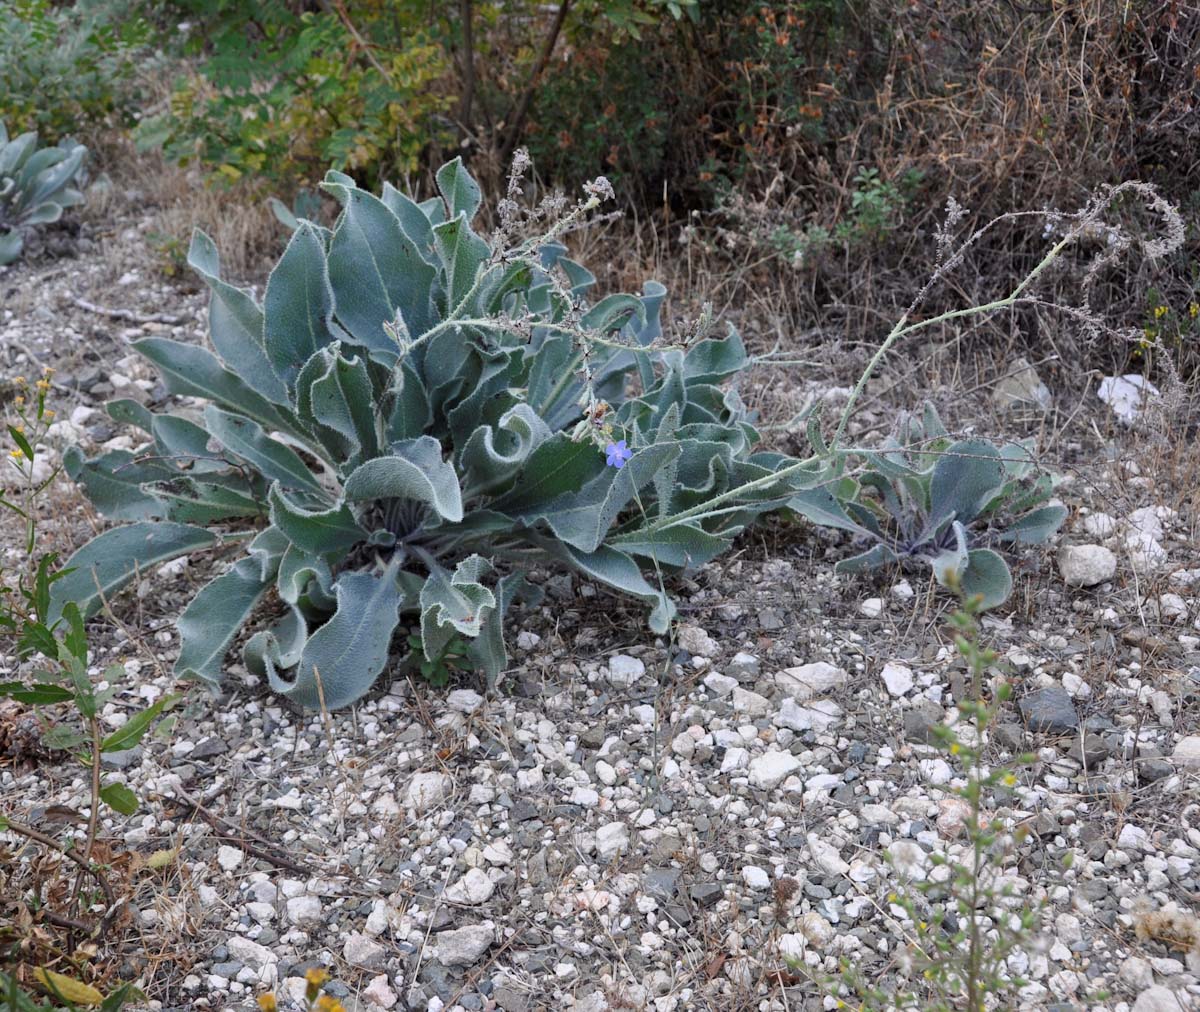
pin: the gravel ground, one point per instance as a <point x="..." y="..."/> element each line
<point x="712" y="823"/>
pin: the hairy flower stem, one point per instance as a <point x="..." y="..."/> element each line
<point x="900" y="330"/>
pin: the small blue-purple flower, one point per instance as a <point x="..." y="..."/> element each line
<point x="617" y="454"/>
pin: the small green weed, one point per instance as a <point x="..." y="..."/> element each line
<point x="69" y="703"/>
<point x="963" y="921"/>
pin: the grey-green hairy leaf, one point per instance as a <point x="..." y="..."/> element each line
<point x="102" y="567"/>
<point x="342" y="659"/>
<point x="36" y="184"/>
<point x="413" y="470"/>
<point x="209" y="624"/>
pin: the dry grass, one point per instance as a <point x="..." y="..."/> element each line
<point x="176" y="202"/>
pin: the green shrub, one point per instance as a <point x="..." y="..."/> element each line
<point x="66" y="68"/>
<point x="412" y="419"/>
<point x="283" y="93"/>
<point x="287" y="91"/>
<point x="36" y="184"/>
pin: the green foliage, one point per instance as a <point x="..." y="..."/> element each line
<point x="59" y="684"/>
<point x="64" y="993"/>
<point x="438" y="670"/>
<point x="36" y="184"/>
<point x="698" y="102"/>
<point x="877" y="208"/>
<point x="925" y="497"/>
<point x="412" y="418"/>
<point x="38" y="626"/>
<point x="283" y="93"/>
<point x="67" y="67"/>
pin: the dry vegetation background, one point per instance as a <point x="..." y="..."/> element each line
<point x="788" y="162"/>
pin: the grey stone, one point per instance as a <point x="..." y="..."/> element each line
<point x="592" y="737"/>
<point x="363" y="951"/>
<point x="1049" y="710"/>
<point x="123" y="759"/>
<point x="209" y="748"/>
<point x="661" y="883"/>
<point x="227" y="970"/>
<point x="706" y="894"/>
<point x="920" y="720"/>
<point x="1090" y="751"/>
<point x="1160" y="999"/>
<point x="1010" y="736"/>
<point x="1086" y="565"/>
<point x="1152" y="770"/>
<point x="510" y="1000"/>
<point x="1021" y="387"/>
<point x="523" y="811"/>
<point x="770" y="620"/>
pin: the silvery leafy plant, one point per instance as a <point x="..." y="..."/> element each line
<point x="36" y="184"/>
<point x="928" y="498"/>
<point x="414" y="420"/>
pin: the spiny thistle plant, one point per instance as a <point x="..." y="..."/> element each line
<point x="413" y="418"/>
<point x="36" y="184"/>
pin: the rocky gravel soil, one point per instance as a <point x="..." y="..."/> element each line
<point x="713" y="823"/>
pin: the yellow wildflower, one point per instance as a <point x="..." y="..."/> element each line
<point x="16" y="454"/>
<point x="316" y="976"/>
<point x="1194" y="310"/>
<point x="1160" y="312"/>
<point x="43" y="385"/>
<point x="19" y="381"/>
<point x="266" y="1002"/>
<point x="327" y="1004"/>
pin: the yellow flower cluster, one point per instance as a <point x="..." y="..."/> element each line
<point x="315" y="979"/>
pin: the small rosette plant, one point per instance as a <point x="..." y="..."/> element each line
<point x="36" y="184"/>
<point x="925" y="497"/>
<point x="413" y="419"/>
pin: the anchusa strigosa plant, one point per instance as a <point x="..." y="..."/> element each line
<point x="36" y="184"/>
<point x="925" y="497"/>
<point x="413" y="419"/>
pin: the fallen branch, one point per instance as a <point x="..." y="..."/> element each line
<point x="85" y="866"/>
<point x="226" y="830"/>
<point x="128" y="314"/>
